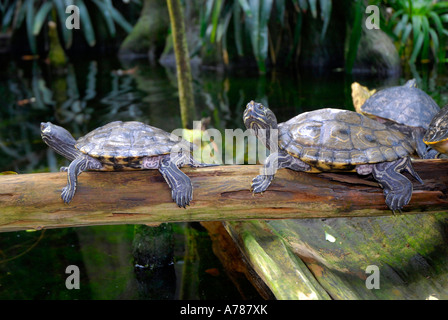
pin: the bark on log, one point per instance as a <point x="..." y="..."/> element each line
<point x="32" y="201"/>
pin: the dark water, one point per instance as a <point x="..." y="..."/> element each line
<point x="88" y="94"/>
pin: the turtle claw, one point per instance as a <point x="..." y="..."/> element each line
<point x="182" y="197"/>
<point x="397" y="199"/>
<point x="260" y="183"/>
<point x="67" y="195"/>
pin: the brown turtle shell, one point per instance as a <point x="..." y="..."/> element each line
<point x="333" y="139"/>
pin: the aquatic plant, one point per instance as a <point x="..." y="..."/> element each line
<point x="35" y="13"/>
<point x="419" y="23"/>
<point x="253" y="17"/>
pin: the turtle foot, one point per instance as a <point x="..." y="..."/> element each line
<point x="260" y="183"/>
<point x="67" y="194"/>
<point x="397" y="199"/>
<point x="397" y="188"/>
<point x="183" y="196"/>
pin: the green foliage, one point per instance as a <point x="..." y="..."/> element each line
<point x="358" y="10"/>
<point x="254" y="19"/>
<point x="420" y="23"/>
<point x="35" y="13"/>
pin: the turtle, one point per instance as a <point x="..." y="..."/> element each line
<point x="119" y="145"/>
<point x="436" y="136"/>
<point x="405" y="108"/>
<point x="334" y="140"/>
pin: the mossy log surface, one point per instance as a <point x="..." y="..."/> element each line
<point x="32" y="201"/>
<point x="329" y="258"/>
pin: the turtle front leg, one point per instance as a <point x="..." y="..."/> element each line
<point x="396" y="187"/>
<point x="274" y="162"/>
<point x="179" y="182"/>
<point x="76" y="167"/>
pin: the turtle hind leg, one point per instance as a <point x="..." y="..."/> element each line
<point x="396" y="187"/>
<point x="179" y="182"/>
<point x="75" y="168"/>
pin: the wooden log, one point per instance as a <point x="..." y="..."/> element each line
<point x="32" y="201"/>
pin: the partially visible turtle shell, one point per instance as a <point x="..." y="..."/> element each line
<point x="333" y="139"/>
<point x="122" y="140"/>
<point x="406" y="105"/>
<point x="437" y="134"/>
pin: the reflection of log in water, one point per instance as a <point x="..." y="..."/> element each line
<point x="153" y="251"/>
<point x="32" y="201"/>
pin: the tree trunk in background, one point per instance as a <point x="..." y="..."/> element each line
<point x="148" y="36"/>
<point x="185" y="86"/>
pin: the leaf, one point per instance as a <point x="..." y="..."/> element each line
<point x="20" y="16"/>
<point x="437" y="21"/>
<point x="416" y="27"/>
<point x="206" y="16"/>
<point x="67" y="34"/>
<point x="313" y="8"/>
<point x="29" y="25"/>
<point x="263" y="43"/>
<point x="435" y="42"/>
<point x="104" y="9"/>
<point x="303" y="5"/>
<point x="223" y="25"/>
<point x="355" y="37"/>
<point x="396" y="14"/>
<point x="280" y="6"/>
<point x="325" y="14"/>
<point x="7" y="18"/>
<point x="120" y="20"/>
<point x="215" y="18"/>
<point x="86" y="24"/>
<point x="237" y="27"/>
<point x="417" y="46"/>
<point x="401" y="24"/>
<point x="406" y="33"/>
<point x="41" y="17"/>
<point x="246" y="8"/>
<point x="425" y="30"/>
<point x="444" y="17"/>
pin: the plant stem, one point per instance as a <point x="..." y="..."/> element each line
<point x="186" y="98"/>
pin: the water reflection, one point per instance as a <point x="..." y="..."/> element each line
<point x="92" y="93"/>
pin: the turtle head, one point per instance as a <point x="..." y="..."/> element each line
<point x="59" y="139"/>
<point x="411" y="83"/>
<point x="359" y="95"/>
<point x="257" y="116"/>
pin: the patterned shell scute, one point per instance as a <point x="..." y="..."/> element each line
<point x="340" y="139"/>
<point x="126" y="139"/>
<point x="404" y="105"/>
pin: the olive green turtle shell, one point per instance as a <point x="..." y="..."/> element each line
<point x="406" y="105"/>
<point x="333" y="139"/>
<point x="126" y="143"/>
